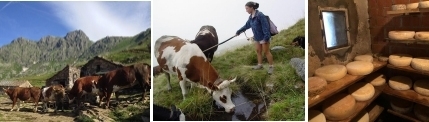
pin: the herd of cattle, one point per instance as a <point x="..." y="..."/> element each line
<point x="102" y="86"/>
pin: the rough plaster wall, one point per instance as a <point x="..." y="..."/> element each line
<point x="358" y="30"/>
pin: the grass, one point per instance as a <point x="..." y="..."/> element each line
<point x="130" y="113"/>
<point x="38" y="80"/>
<point x="84" y="119"/>
<point x="288" y="102"/>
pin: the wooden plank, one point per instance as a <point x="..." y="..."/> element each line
<point x="408" y="69"/>
<point x="409" y="41"/>
<point x="408" y="116"/>
<point x="374" y="111"/>
<point x="336" y="86"/>
<point x="362" y="105"/>
<point x="409" y="95"/>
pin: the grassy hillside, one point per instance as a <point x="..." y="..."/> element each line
<point x="288" y="103"/>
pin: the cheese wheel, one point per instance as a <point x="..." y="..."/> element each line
<point x="376" y="79"/>
<point x="383" y="59"/>
<point x="316" y="116"/>
<point x="399" y="7"/>
<point x="420" y="63"/>
<point x="367" y="58"/>
<point x="401" y="35"/>
<point x="339" y="107"/>
<point x="316" y="85"/>
<point x="424" y="36"/>
<point x="362" y="91"/>
<point x="424" y="4"/>
<point x="400" y="83"/>
<point x="362" y="117"/>
<point x="400" y="60"/>
<point x="331" y="72"/>
<point x="412" y="6"/>
<point x="400" y="105"/>
<point x="421" y="112"/>
<point x="422" y="87"/>
<point x="359" y="68"/>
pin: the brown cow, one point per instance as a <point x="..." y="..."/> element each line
<point x="125" y="77"/>
<point x="83" y="86"/>
<point x="55" y="93"/>
<point x="188" y="62"/>
<point x="23" y="94"/>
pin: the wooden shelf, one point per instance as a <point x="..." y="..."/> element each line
<point x="407" y="116"/>
<point x="409" y="41"/>
<point x="409" y="95"/>
<point x="374" y="111"/>
<point x="408" y="69"/>
<point x="336" y="86"/>
<point x="406" y="12"/>
<point x="362" y="105"/>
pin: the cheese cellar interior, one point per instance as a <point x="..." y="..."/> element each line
<point x="368" y="60"/>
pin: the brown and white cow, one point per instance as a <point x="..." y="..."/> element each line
<point x="83" y="86"/>
<point x="19" y="94"/>
<point x="189" y="63"/>
<point x="123" y="78"/>
<point x="55" y="93"/>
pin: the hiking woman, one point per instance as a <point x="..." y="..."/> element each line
<point x="261" y="34"/>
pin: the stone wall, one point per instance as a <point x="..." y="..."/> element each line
<point x="358" y="29"/>
<point x="104" y="65"/>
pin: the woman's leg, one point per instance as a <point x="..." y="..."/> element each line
<point x="267" y="52"/>
<point x="258" y="48"/>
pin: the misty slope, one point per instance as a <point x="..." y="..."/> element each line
<point x="27" y="58"/>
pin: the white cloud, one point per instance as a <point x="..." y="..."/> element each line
<point x="100" y="19"/>
<point x="184" y="18"/>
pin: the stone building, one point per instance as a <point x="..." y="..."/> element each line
<point x="65" y="77"/>
<point x="98" y="65"/>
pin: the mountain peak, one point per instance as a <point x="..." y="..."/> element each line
<point x="76" y="34"/>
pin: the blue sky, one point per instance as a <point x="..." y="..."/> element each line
<point x="34" y="20"/>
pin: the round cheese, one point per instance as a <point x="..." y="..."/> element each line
<point x="422" y="87"/>
<point x="331" y="72"/>
<point x="316" y="116"/>
<point x="383" y="59"/>
<point x="424" y="36"/>
<point x="412" y="6"/>
<point x="400" y="105"/>
<point x="338" y="107"/>
<point x="367" y="58"/>
<point x="420" y="63"/>
<point x="362" y="117"/>
<point x="400" y="83"/>
<point x="399" y="7"/>
<point x="400" y="60"/>
<point x="421" y="112"/>
<point x="401" y="35"/>
<point x="359" y="68"/>
<point x="376" y="79"/>
<point x="316" y="85"/>
<point x="362" y="91"/>
<point x="424" y="4"/>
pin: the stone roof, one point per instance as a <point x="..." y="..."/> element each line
<point x="14" y="83"/>
<point x="104" y="59"/>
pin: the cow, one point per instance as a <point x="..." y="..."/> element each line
<point x="157" y="71"/>
<point x="19" y="94"/>
<point x="55" y="93"/>
<point x="189" y="63"/>
<point x="164" y="114"/>
<point x="83" y="86"/>
<point x="299" y="41"/>
<point x="206" y="38"/>
<point x="123" y="78"/>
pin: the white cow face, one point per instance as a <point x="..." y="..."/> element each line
<point x="223" y="96"/>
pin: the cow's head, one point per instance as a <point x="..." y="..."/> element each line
<point x="58" y="91"/>
<point x="297" y="41"/>
<point x="223" y="95"/>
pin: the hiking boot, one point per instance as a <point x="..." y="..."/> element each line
<point x="270" y="70"/>
<point x="257" y="67"/>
